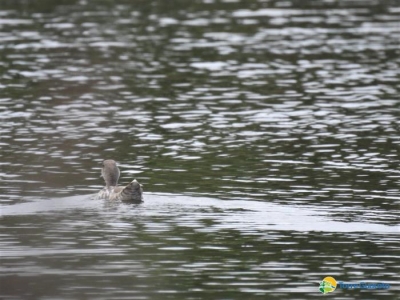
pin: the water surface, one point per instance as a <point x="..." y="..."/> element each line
<point x="265" y="134"/>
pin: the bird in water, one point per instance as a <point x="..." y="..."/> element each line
<point x="110" y="172"/>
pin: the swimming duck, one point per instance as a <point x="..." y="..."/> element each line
<point x="110" y="172"/>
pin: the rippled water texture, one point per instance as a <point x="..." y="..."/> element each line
<point x="265" y="133"/>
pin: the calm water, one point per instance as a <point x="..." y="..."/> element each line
<point x="266" y="135"/>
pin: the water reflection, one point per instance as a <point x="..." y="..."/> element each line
<point x="209" y="245"/>
<point x="292" y="104"/>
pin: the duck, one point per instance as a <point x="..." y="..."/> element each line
<point x="110" y="172"/>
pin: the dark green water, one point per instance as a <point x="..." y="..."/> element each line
<point x="265" y="133"/>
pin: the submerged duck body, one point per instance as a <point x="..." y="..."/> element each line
<point x="110" y="172"/>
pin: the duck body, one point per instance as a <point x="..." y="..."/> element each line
<point x="110" y="172"/>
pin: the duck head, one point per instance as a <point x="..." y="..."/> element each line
<point x="110" y="172"/>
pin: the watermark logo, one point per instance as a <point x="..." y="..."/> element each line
<point x="329" y="284"/>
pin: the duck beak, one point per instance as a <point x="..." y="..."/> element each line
<point x="102" y="168"/>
